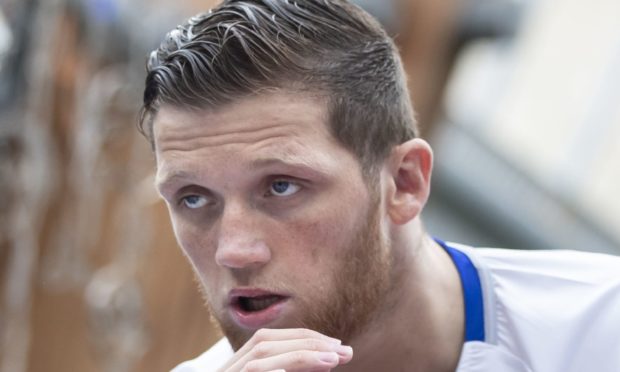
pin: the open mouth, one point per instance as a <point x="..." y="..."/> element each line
<point x="258" y="303"/>
<point x="256" y="308"/>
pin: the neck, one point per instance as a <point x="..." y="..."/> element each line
<point x="421" y="326"/>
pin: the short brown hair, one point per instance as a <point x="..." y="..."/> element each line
<point x="328" y="46"/>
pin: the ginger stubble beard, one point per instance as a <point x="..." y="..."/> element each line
<point x="361" y="285"/>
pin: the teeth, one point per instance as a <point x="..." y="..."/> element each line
<point x="257" y="303"/>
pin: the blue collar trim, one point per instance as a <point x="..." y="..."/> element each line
<point x="472" y="293"/>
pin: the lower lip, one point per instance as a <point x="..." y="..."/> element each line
<point x="258" y="319"/>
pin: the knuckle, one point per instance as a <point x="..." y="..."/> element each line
<point x="315" y="345"/>
<point x="307" y="333"/>
<point x="299" y="358"/>
<point x="251" y="366"/>
<point x="261" y="349"/>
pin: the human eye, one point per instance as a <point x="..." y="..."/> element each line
<point x="283" y="188"/>
<point x="193" y="201"/>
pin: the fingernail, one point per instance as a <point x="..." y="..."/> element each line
<point x="344" y="350"/>
<point x="328" y="357"/>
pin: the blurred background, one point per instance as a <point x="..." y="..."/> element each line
<point x="520" y="100"/>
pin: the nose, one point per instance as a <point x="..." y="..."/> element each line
<point x="240" y="243"/>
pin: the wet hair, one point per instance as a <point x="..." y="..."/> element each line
<point x="330" y="47"/>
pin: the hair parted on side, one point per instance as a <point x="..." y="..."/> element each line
<point x="333" y="47"/>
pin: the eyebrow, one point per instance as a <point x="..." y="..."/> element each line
<point x="308" y="167"/>
<point x="171" y="178"/>
<point x="176" y="176"/>
<point x="269" y="161"/>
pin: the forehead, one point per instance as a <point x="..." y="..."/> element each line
<point x="280" y="126"/>
<point x="293" y="113"/>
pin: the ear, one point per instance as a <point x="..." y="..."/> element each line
<point x="408" y="184"/>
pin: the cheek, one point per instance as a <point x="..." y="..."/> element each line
<point x="195" y="245"/>
<point x="320" y="237"/>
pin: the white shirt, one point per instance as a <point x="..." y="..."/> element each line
<point x="544" y="311"/>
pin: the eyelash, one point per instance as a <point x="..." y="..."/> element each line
<point x="293" y="183"/>
<point x="182" y="201"/>
<point x="269" y="193"/>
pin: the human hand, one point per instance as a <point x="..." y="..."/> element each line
<point x="290" y="350"/>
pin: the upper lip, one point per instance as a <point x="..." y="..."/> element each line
<point x="235" y="294"/>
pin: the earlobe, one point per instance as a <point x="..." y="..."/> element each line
<point x="410" y="168"/>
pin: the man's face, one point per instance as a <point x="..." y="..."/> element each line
<point x="274" y="216"/>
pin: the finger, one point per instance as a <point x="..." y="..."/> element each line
<point x="266" y="334"/>
<point x="298" y="361"/>
<point x="266" y="349"/>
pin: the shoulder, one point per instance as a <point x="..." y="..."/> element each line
<point x="561" y="266"/>
<point x="554" y="310"/>
<point x="210" y="360"/>
<point x="549" y="283"/>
